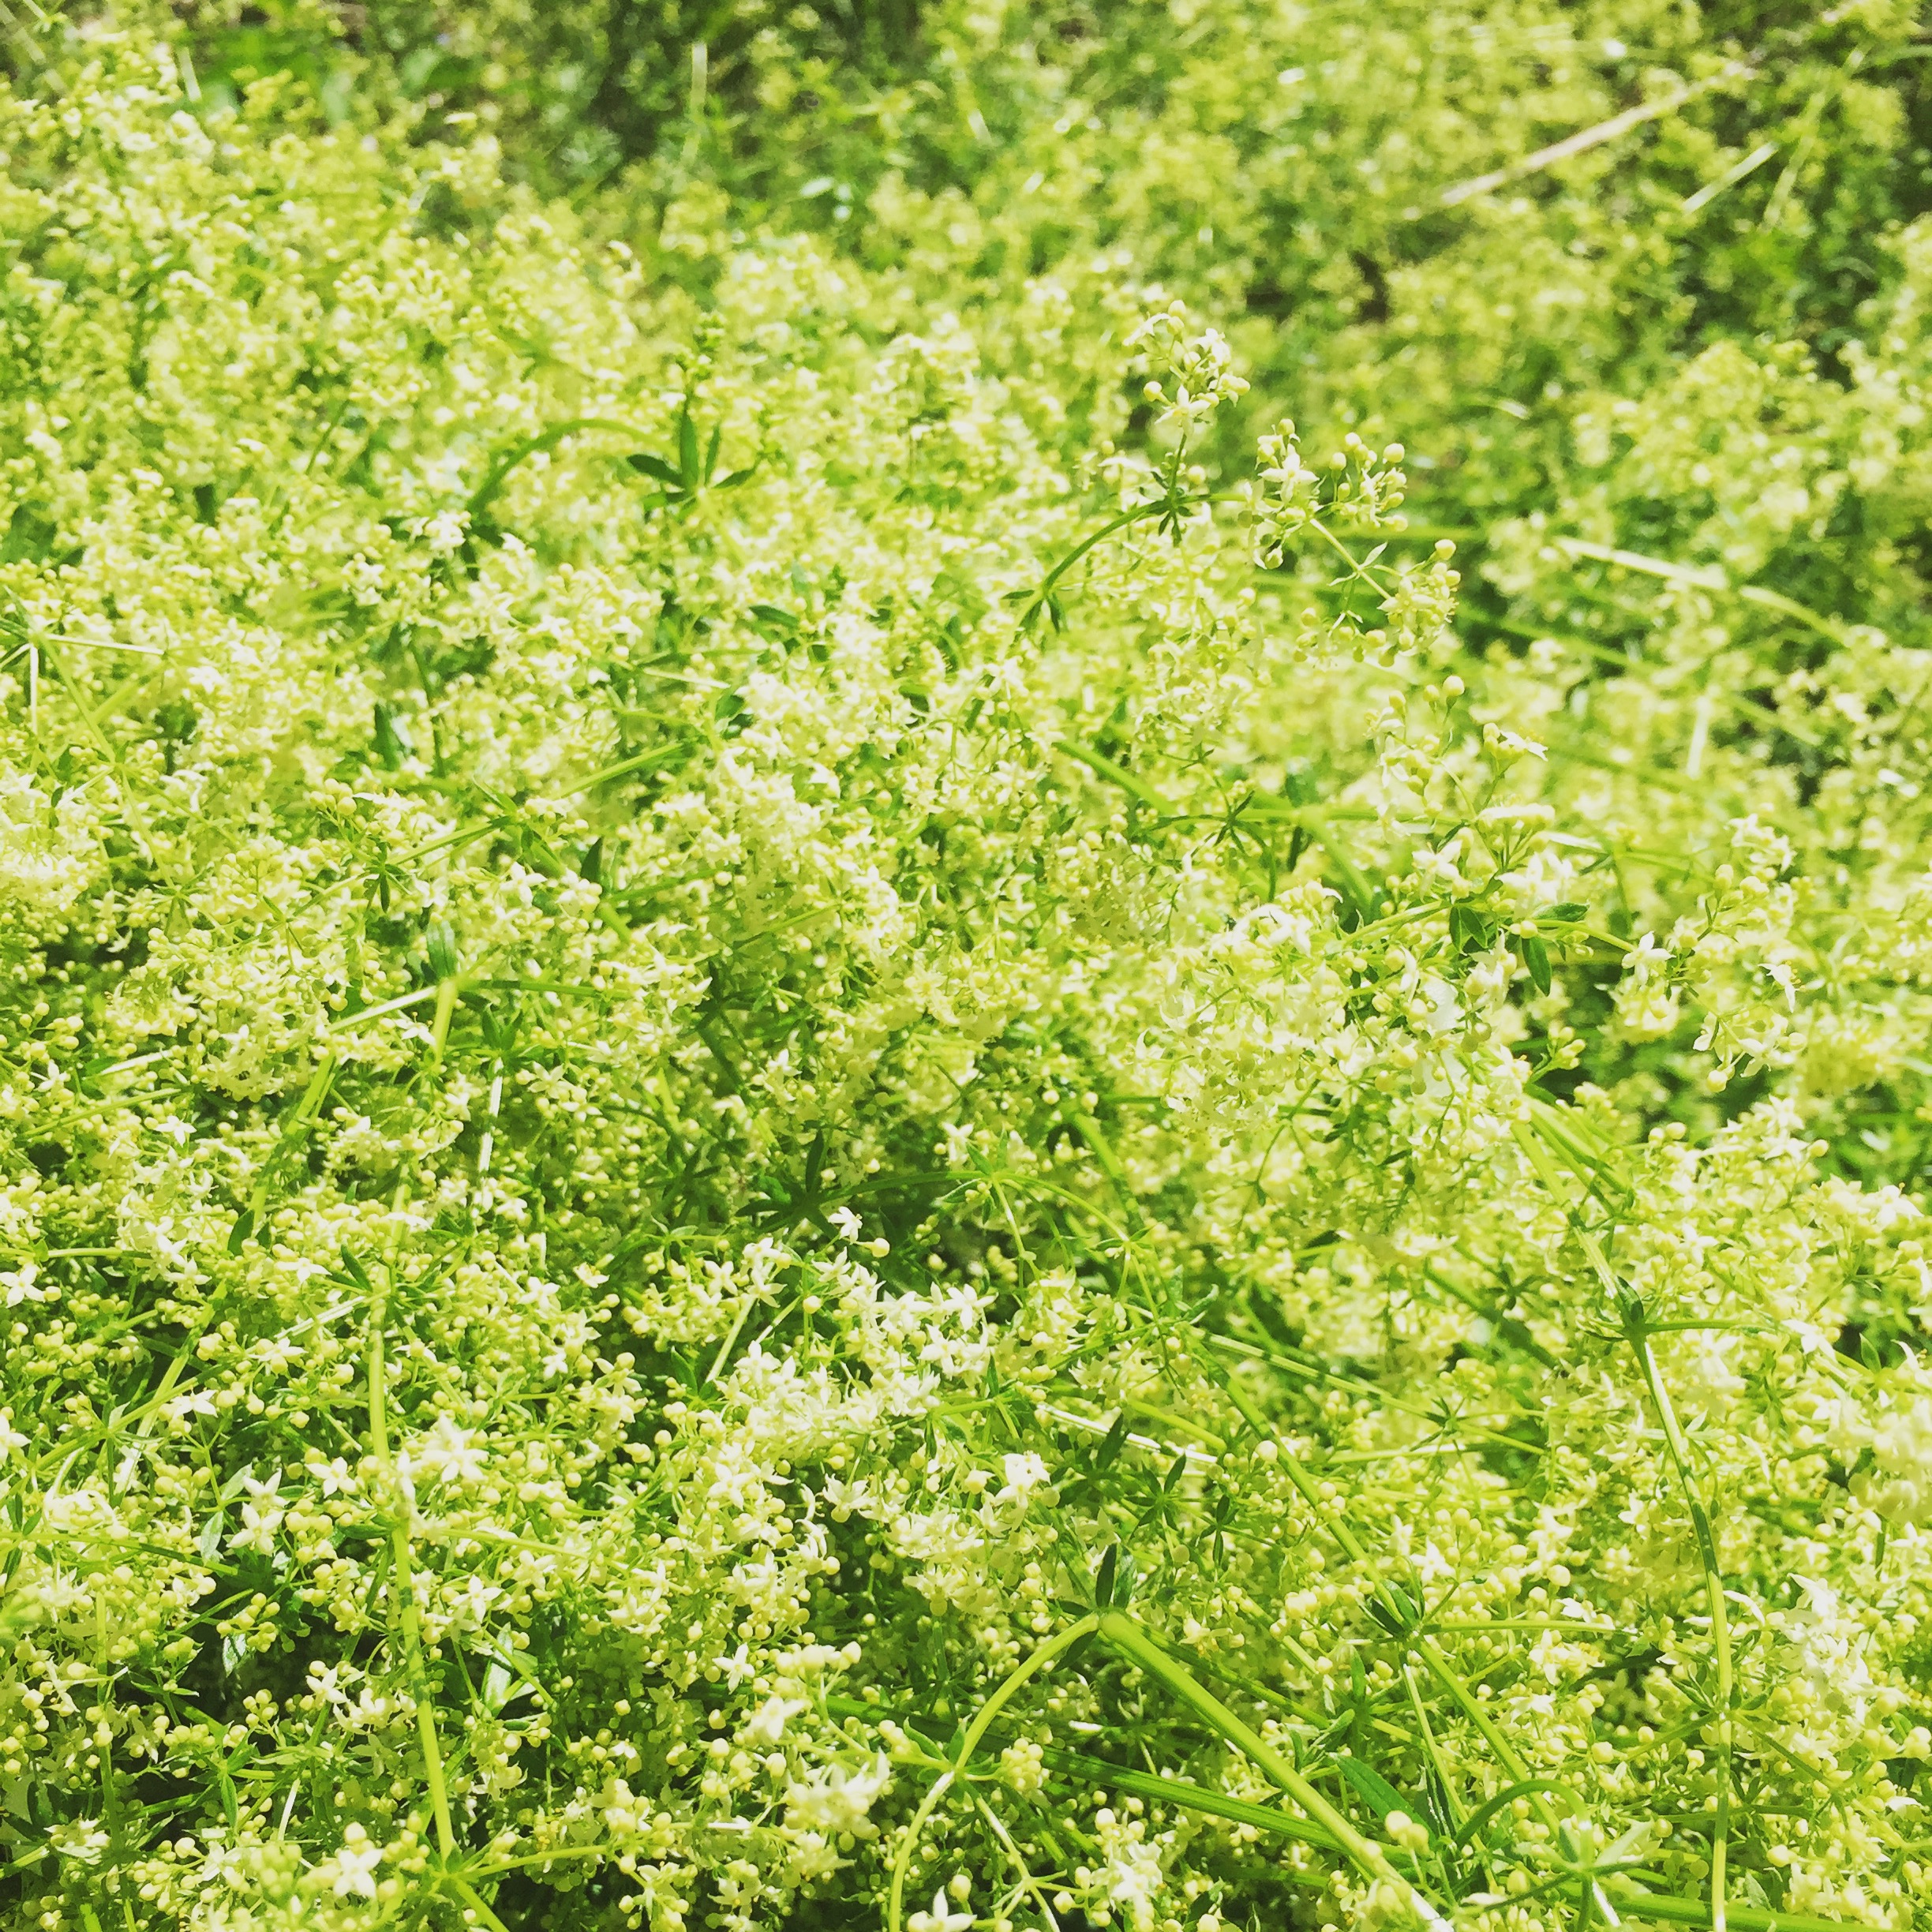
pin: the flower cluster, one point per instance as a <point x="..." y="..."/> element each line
<point x="702" y="1229"/>
<point x="1356" y="488"/>
<point x="1200" y="367"/>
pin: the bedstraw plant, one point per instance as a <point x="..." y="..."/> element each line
<point x="827" y="1103"/>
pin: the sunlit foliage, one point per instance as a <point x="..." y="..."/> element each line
<point x="965" y="968"/>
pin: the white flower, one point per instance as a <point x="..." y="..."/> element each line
<point x="445" y="532"/>
<point x="765" y="1726"/>
<point x="444" y="1453"/>
<point x="352" y="1872"/>
<point x="21" y="1284"/>
<point x="836" y="1800"/>
<point x="260" y="1521"/>
<point x="1025" y="1473"/>
<point x="325" y="1682"/>
<point x="941" y="1918"/>
<point x="82" y="1838"/>
<point x="336" y="1477"/>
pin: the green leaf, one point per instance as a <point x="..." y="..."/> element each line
<point x="1469" y="930"/>
<point x="440" y="942"/>
<point x="1373" y="1789"/>
<point x="1470" y="1832"/>
<point x="1536" y="957"/>
<point x="392" y="743"/>
<point x="1103" y="1576"/>
<point x="30" y="535"/>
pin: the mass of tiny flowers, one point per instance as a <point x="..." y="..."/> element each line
<point x="965" y="968"/>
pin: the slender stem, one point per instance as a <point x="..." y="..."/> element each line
<point x="1027" y="1881"/>
<point x="448" y="992"/>
<point x="1096" y="1773"/>
<point x="403" y="1570"/>
<point x="1429" y="1745"/>
<point x="1437" y="1666"/>
<point x="556" y="1855"/>
<point x="1363" y="893"/>
<point x="1114" y="774"/>
<point x="1123" y="1635"/>
<point x="292" y="1136"/>
<point x="468" y="1893"/>
<point x="544" y="440"/>
<point x="1534" y="1153"/>
<point x="1714" y="1597"/>
<point x="1057" y="1646"/>
<point x="1139" y="513"/>
<point x="1549" y="1125"/>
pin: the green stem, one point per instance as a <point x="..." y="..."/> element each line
<point x="1437" y="1666"/>
<point x="902" y="1860"/>
<point x="405" y="1579"/>
<point x="1743" y="1918"/>
<point x="1430" y="1748"/>
<point x="491" y="484"/>
<point x="469" y="1894"/>
<point x="448" y="992"/>
<point x="1114" y="774"/>
<point x="293" y="1135"/>
<point x="1026" y="1879"/>
<point x="1534" y="1152"/>
<point x="1713" y="1593"/>
<point x="1360" y="890"/>
<point x="1097" y="1774"/>
<point x="1122" y="1635"/>
<point x="1139" y="513"/>
<point x="1549" y="1125"/>
<point x="1357" y="567"/>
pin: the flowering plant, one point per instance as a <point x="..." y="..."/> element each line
<point x="823" y="1110"/>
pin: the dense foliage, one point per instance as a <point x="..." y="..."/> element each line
<point x="826" y="1103"/>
